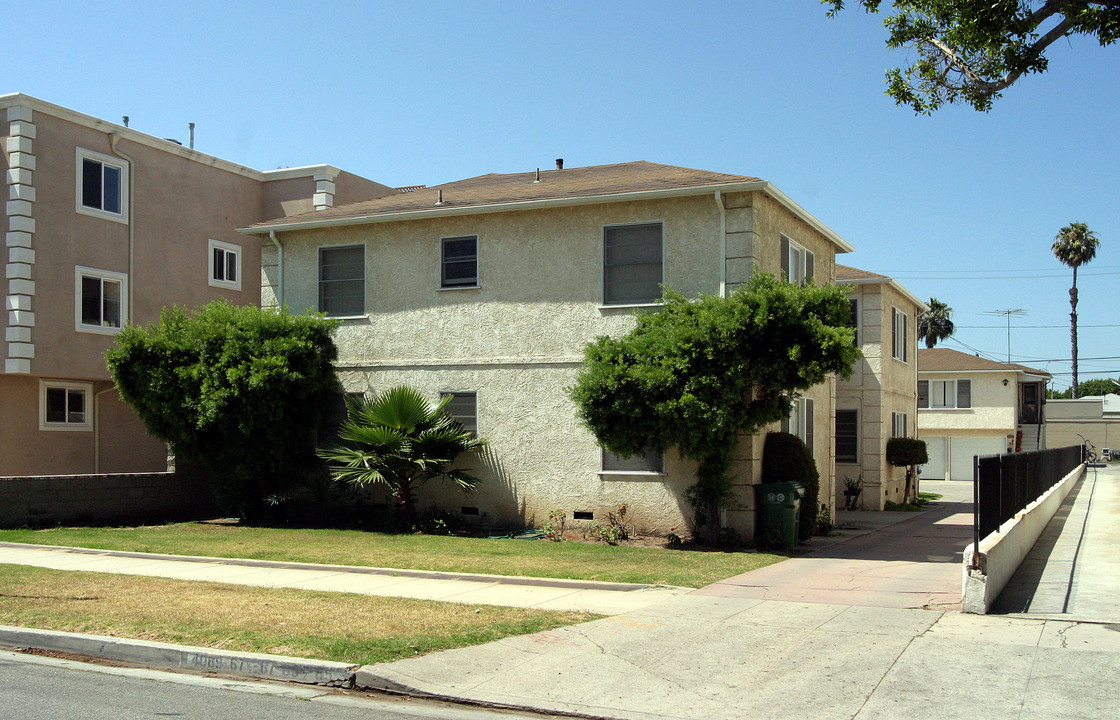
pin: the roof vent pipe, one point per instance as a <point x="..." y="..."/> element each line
<point x="190" y="132"/>
<point x="538" y="175"/>
<point x="125" y="120"/>
<point x="439" y="197"/>
<point x="559" y="163"/>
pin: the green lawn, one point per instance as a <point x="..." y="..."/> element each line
<point x="343" y="627"/>
<point x="533" y="558"/>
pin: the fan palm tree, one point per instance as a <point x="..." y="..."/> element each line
<point x="1075" y="245"/>
<point x="935" y="324"/>
<point x="399" y="439"/>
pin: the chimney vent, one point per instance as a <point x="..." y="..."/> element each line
<point x="125" y="120"/>
<point x="439" y="197"/>
<point x="559" y="163"/>
<point x="538" y="179"/>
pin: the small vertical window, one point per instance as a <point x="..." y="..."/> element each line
<point x="898" y="337"/>
<point x="342" y="280"/>
<point x="101" y="300"/>
<point x="459" y="262"/>
<point x="632" y="264"/>
<point x="463" y="407"/>
<point x="225" y="265"/>
<point x="923" y="393"/>
<point x="64" y="406"/>
<point x="847" y="436"/>
<point x="648" y="461"/>
<point x="102" y="185"/>
<point x="800" y="420"/>
<point x="853" y="319"/>
<point x="898" y="425"/>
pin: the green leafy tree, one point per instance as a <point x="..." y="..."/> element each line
<point x="1088" y="388"/>
<point x="400" y="440"/>
<point x="236" y="391"/>
<point x="969" y="51"/>
<point x="696" y="373"/>
<point x="936" y="323"/>
<point x="1075" y="245"/>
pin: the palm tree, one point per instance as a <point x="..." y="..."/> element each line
<point x="1075" y="245"/>
<point x="399" y="439"/>
<point x="935" y="323"/>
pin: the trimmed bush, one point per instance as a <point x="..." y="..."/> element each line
<point x="906" y="451"/>
<point x="786" y="458"/>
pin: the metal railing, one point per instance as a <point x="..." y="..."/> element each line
<point x="1002" y="485"/>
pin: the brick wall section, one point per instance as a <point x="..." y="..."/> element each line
<point x="94" y="499"/>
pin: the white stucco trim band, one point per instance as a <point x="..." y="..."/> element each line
<point x="561" y="362"/>
<point x="763" y="186"/>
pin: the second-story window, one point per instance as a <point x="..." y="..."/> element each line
<point x="899" y="336"/>
<point x="632" y="264"/>
<point x="797" y="262"/>
<point x="459" y="262"/>
<point x="102" y="302"/>
<point x="944" y="394"/>
<point x="225" y="263"/>
<point x="342" y="280"/>
<point x="102" y="185"/>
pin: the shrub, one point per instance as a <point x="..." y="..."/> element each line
<point x="906" y="451"/>
<point x="785" y="458"/>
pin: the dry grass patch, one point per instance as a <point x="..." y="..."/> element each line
<point x="532" y="558"/>
<point x="329" y="626"/>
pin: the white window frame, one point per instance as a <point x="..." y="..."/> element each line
<point x="121" y="278"/>
<point x="899" y="424"/>
<point x="800" y="421"/>
<point x="951" y="391"/>
<point x="443" y="283"/>
<point x="469" y="422"/>
<point x="81" y="155"/>
<point x="798" y="265"/>
<point x="319" y="281"/>
<point x="654" y="461"/>
<point x="86" y="389"/>
<point x="900" y="335"/>
<point x="225" y="249"/>
<point x="656" y="301"/>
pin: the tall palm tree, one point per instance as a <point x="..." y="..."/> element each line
<point x="399" y="439"/>
<point x="935" y="324"/>
<point x="1075" y="245"/>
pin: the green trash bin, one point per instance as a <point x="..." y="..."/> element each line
<point x="780" y="506"/>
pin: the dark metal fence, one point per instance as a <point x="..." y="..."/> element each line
<point x="1005" y="484"/>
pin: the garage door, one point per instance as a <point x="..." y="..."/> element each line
<point x="962" y="449"/>
<point x="935" y="468"/>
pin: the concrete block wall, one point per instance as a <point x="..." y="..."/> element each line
<point x="89" y="499"/>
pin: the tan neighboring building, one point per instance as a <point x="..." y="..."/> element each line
<point x="104" y="227"/>
<point x="1095" y="418"/>
<point x="879" y="401"/>
<point x="968" y="406"/>
<point x="488" y="289"/>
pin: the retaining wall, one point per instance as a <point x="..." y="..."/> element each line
<point x="1002" y="551"/>
<point x="111" y="498"/>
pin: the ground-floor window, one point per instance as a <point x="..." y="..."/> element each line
<point x="65" y="405"/>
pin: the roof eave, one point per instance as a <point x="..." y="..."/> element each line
<point x="435" y="212"/>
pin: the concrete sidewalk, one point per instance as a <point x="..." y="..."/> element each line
<point x="603" y="598"/>
<point x="714" y="653"/>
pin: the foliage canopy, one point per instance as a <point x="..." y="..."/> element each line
<point x="695" y="373"/>
<point x="1075" y="245"/>
<point x="237" y="391"/>
<point x="968" y="51"/>
<point x="936" y="323"/>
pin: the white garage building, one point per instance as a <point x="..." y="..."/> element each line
<point x="969" y="406"/>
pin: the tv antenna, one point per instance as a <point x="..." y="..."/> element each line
<point x="1008" y="313"/>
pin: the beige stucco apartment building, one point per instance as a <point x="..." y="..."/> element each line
<point x="489" y="288"/>
<point x="879" y="401"/>
<point x="969" y="405"/>
<point x="104" y="227"/>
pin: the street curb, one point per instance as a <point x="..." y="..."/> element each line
<point x="183" y="657"/>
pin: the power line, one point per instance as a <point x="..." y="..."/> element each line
<point x="1031" y="327"/>
<point x="908" y="276"/>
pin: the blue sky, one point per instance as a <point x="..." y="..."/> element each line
<point x="962" y="206"/>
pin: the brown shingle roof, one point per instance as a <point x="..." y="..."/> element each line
<point x="851" y="274"/>
<point x="496" y="189"/>
<point x="946" y="360"/>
